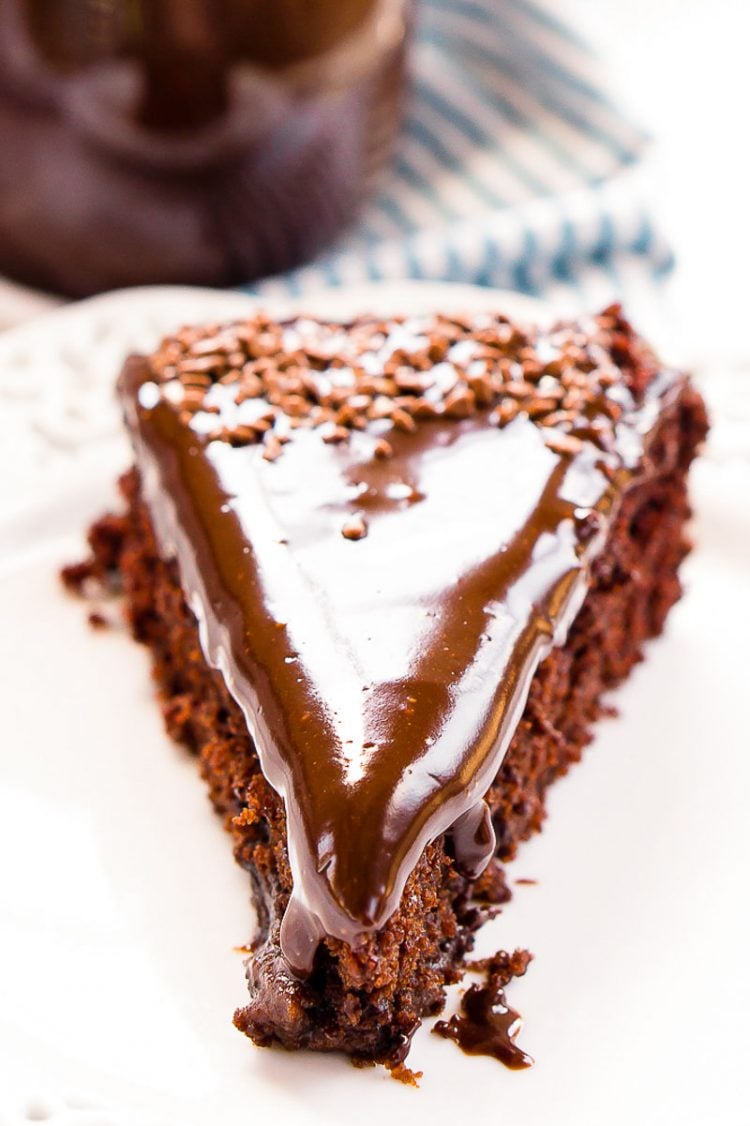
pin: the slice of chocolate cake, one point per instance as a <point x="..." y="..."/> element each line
<point x="386" y="571"/>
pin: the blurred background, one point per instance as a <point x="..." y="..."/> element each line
<point x="578" y="150"/>
<point x="681" y="65"/>
<point x="189" y="141"/>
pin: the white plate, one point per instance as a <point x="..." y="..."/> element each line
<point x="121" y="906"/>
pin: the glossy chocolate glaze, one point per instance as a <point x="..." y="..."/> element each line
<point x="381" y="677"/>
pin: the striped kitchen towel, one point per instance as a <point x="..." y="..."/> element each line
<point x="514" y="168"/>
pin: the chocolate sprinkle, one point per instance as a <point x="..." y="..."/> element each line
<point x="355" y="528"/>
<point x="391" y="375"/>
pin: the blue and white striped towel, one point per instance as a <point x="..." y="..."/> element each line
<point x="514" y="169"/>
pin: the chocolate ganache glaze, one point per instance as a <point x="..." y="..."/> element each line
<point x="382" y="529"/>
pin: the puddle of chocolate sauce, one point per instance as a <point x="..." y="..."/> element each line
<point x="486" y="1025"/>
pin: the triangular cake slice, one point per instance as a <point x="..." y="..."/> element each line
<point x="386" y="570"/>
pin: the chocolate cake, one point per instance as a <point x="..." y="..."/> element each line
<point x="386" y="571"/>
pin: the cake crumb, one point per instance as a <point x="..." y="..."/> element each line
<point x="405" y="1075"/>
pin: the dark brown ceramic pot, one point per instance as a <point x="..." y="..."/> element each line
<point x="188" y="141"/>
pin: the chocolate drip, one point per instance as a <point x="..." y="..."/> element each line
<point x="382" y="676"/>
<point x="301" y="932"/>
<point x="473" y="837"/>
